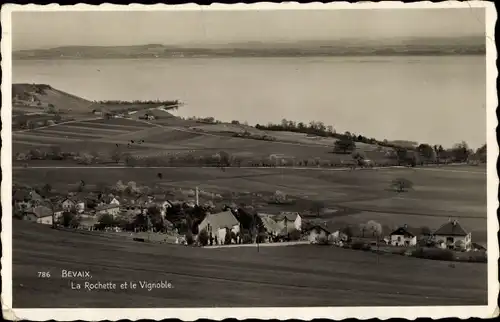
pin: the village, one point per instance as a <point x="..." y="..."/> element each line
<point x="154" y="217"/>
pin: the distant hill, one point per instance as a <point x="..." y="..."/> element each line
<point x="44" y="96"/>
<point x="343" y="47"/>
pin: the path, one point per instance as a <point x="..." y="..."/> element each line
<point x="234" y="137"/>
<point x="302" y="242"/>
<point x="56" y="124"/>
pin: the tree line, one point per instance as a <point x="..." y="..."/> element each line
<point x="155" y="102"/>
<point x="346" y="143"/>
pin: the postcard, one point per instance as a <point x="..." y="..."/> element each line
<point x="270" y="161"/>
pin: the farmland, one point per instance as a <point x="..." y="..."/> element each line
<point x="156" y="138"/>
<point x="437" y="193"/>
<point x="95" y="134"/>
<point x="274" y="276"/>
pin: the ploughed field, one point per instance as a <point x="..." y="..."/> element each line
<point x="458" y="192"/>
<point x="89" y="134"/>
<point x="273" y="276"/>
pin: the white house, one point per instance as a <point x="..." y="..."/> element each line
<point x="402" y="237"/>
<point x="453" y="236"/>
<point x="217" y="224"/>
<point x="72" y="202"/>
<point x="114" y="201"/>
<point x="111" y="209"/>
<point x="339" y="236"/>
<point x="270" y="225"/>
<point x="317" y="233"/>
<point x="40" y="215"/>
<point x="290" y="220"/>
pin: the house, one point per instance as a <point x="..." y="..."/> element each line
<point x="317" y="233"/>
<point x="403" y="237"/>
<point x="23" y="198"/>
<point x="339" y="236"/>
<point x="143" y="200"/>
<point x="290" y="220"/>
<point x="73" y="202"/>
<point x="270" y="225"/>
<point x="40" y="215"/>
<point x="218" y="223"/>
<point x="58" y="211"/>
<point x="453" y="236"/>
<point x="109" y="200"/>
<point x="111" y="209"/>
<point x="134" y="209"/>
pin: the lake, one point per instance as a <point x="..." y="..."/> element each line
<point x="438" y="100"/>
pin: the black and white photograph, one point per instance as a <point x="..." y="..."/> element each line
<point x="333" y="160"/>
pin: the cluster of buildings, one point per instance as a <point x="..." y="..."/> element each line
<point x="451" y="235"/>
<point x="278" y="226"/>
<point x="89" y="207"/>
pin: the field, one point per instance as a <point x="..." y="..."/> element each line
<point x="438" y="194"/>
<point x="91" y="135"/>
<point x="275" y="276"/>
<point x="173" y="135"/>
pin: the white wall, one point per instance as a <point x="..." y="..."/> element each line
<point x="45" y="220"/>
<point x="67" y="204"/>
<point x="467" y="240"/>
<point x="80" y="207"/>
<point x="400" y="240"/>
<point x="298" y="223"/>
<point x="314" y="234"/>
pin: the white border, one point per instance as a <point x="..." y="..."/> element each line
<point x="304" y="313"/>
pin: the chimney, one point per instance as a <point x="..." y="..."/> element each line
<point x="197" y="199"/>
<point x="405" y="226"/>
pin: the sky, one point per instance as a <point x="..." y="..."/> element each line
<point x="36" y="30"/>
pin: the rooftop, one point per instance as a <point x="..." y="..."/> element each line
<point x="402" y="231"/>
<point x="224" y="219"/>
<point x="451" y="228"/>
<point x="41" y="211"/>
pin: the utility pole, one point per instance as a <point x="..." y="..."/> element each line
<point x="148" y="223"/>
<point x="256" y="228"/>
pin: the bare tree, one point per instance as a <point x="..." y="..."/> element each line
<point x="376" y="230"/>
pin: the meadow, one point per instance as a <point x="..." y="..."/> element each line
<point x="232" y="277"/>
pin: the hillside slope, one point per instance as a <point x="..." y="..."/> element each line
<point x="274" y="276"/>
<point x="42" y="96"/>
